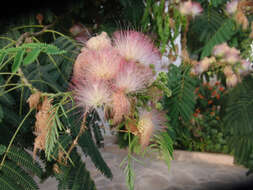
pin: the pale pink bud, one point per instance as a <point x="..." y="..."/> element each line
<point x="99" y="42"/>
<point x="231" y="7"/>
<point x="137" y="47"/>
<point x="231" y="80"/>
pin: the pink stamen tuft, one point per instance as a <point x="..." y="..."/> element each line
<point x="133" y="77"/>
<point x="149" y="121"/>
<point x="137" y="47"/>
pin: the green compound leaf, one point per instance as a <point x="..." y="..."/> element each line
<point x="32" y="56"/>
<point x="18" y="60"/>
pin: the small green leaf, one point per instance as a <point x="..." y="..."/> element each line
<point x="17" y="60"/>
<point x="2" y="149"/>
<point x="31" y="56"/>
<point x="2" y="57"/>
<point x="1" y="114"/>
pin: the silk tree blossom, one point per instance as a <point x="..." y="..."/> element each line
<point x="133" y="77"/>
<point x="99" y="42"/>
<point x="149" y="122"/>
<point x="231" y="7"/>
<point x="92" y="94"/>
<point x="80" y="64"/>
<point x="190" y="8"/>
<point x="245" y="68"/>
<point x="103" y="64"/>
<point x="232" y="55"/>
<point x="220" y="50"/>
<point x="137" y="47"/>
<point x="228" y="71"/>
<point x="121" y="106"/>
<point x="232" y="80"/>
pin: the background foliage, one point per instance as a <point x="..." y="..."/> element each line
<point x="224" y="125"/>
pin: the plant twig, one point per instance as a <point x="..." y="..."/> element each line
<point x="81" y="131"/>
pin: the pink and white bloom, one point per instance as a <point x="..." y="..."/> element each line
<point x="149" y="122"/>
<point x="245" y="68"/>
<point x="137" y="47"/>
<point x="232" y="55"/>
<point x="92" y="94"/>
<point x="220" y="50"/>
<point x="103" y="64"/>
<point x="190" y="8"/>
<point x="231" y="7"/>
<point x="133" y="77"/>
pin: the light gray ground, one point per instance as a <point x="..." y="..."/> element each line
<point x="153" y="174"/>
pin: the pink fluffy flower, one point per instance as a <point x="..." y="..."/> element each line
<point x="102" y="64"/>
<point x="149" y="121"/>
<point x="133" y="77"/>
<point x="232" y="55"/>
<point x="137" y="47"/>
<point x="228" y="71"/>
<point x="190" y="8"/>
<point x="231" y="7"/>
<point x="232" y="80"/>
<point x="220" y="50"/>
<point x="92" y="94"/>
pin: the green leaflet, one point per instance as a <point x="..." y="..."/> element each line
<point x="2" y="149"/>
<point x="2" y="57"/>
<point x="31" y="56"/>
<point x="224" y="33"/>
<point x="19" y="176"/>
<point x="7" y="184"/>
<point x="17" y="60"/>
<point x="21" y="157"/>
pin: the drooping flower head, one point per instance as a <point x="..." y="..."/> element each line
<point x="231" y="7"/>
<point x="190" y="8"/>
<point x="133" y="77"/>
<point x="149" y="121"/>
<point x="137" y="47"/>
<point x="103" y="64"/>
<point x="92" y="94"/>
<point x="99" y="42"/>
<point x="121" y="106"/>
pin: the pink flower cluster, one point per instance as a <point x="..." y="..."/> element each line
<point x="228" y="59"/>
<point x="189" y="8"/>
<point x="231" y="6"/>
<point x="108" y="71"/>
